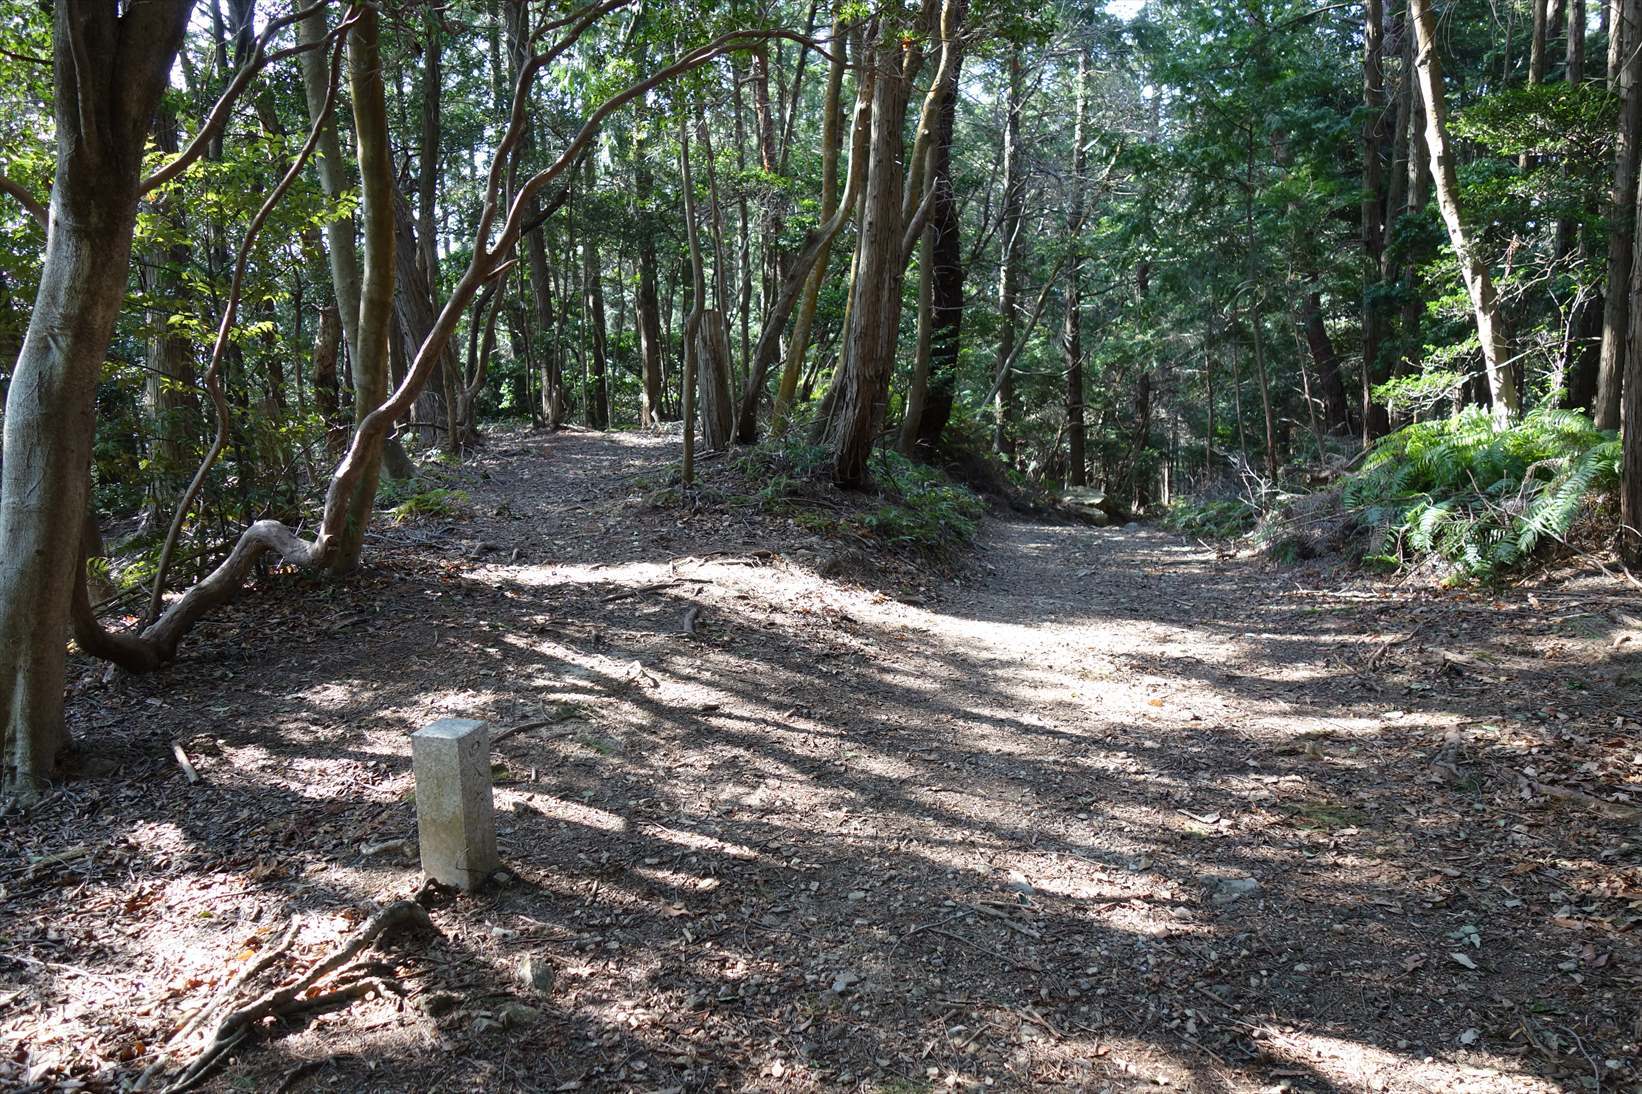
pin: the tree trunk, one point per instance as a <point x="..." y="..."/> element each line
<point x="875" y="298"/>
<point x="327" y="343"/>
<point x="1374" y="418"/>
<point x="332" y="169"/>
<point x="1479" y="282"/>
<point x="692" y="319"/>
<point x="122" y="62"/>
<point x="172" y="403"/>
<point x="1072" y="328"/>
<point x="1139" y="484"/>
<point x="946" y="271"/>
<point x="598" y="411"/>
<point x="1336" y="414"/>
<point x="831" y="139"/>
<point x="1009" y="276"/>
<point x="370" y="365"/>
<point x="1616" y="300"/>
<point x="918" y="387"/>
<point x="648" y="308"/>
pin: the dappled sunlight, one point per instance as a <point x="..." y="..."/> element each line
<point x="1065" y="834"/>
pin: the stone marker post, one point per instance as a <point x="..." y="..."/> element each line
<point x="455" y="821"/>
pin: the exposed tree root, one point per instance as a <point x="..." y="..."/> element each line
<point x="350" y="983"/>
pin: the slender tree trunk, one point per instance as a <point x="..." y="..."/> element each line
<point x="1576" y="41"/>
<point x="831" y="140"/>
<point x="646" y="305"/>
<point x="370" y="366"/>
<point x="1072" y="327"/>
<point x="332" y="169"/>
<point x="1479" y="283"/>
<point x="1332" y="387"/>
<point x="946" y="269"/>
<point x="692" y="319"/>
<point x="918" y="387"/>
<point x="1009" y="276"/>
<point x="1616" y="300"/>
<point x="172" y="403"/>
<point x="593" y="284"/>
<point x="1373" y="225"/>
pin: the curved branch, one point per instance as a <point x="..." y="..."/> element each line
<point x="230" y="311"/>
<point x="27" y="200"/>
<point x="218" y="118"/>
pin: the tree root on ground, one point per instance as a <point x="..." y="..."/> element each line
<point x="350" y="982"/>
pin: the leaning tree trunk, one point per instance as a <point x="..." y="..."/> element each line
<point x="112" y="69"/>
<point x="1479" y="283"/>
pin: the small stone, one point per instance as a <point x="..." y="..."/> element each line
<point x="537" y="973"/>
<point x="858" y="894"/>
<point x="515" y="1015"/>
<point x="1233" y="889"/>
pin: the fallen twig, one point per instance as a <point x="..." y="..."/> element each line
<point x="183" y="762"/>
<point x="1613" y="810"/>
<point x="654" y="586"/>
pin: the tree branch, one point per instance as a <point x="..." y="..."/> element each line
<point x="218" y="118"/>
<point x="27" y="200"/>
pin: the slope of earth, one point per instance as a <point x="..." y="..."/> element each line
<point x="1101" y="812"/>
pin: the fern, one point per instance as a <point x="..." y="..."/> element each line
<point x="1480" y="497"/>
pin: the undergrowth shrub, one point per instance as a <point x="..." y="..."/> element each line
<point x="912" y="507"/>
<point x="1211" y="518"/>
<point x="1479" y="498"/>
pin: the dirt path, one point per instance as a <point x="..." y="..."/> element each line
<point x="1105" y="812"/>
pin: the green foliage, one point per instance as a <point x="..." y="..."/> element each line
<point x="923" y="509"/>
<point x="917" y="508"/>
<point x="1480" y="498"/>
<point x="437" y="502"/>
<point x="1211" y="518"/>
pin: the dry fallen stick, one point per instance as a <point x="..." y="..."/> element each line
<point x="1612" y="810"/>
<point x="286" y="1001"/>
<point x="654" y="586"/>
<point x="183" y="762"/>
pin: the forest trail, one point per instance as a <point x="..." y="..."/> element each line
<point x="1102" y="811"/>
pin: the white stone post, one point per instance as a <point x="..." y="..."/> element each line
<point x="455" y="820"/>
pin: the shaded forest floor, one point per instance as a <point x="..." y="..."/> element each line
<point x="1100" y="811"/>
